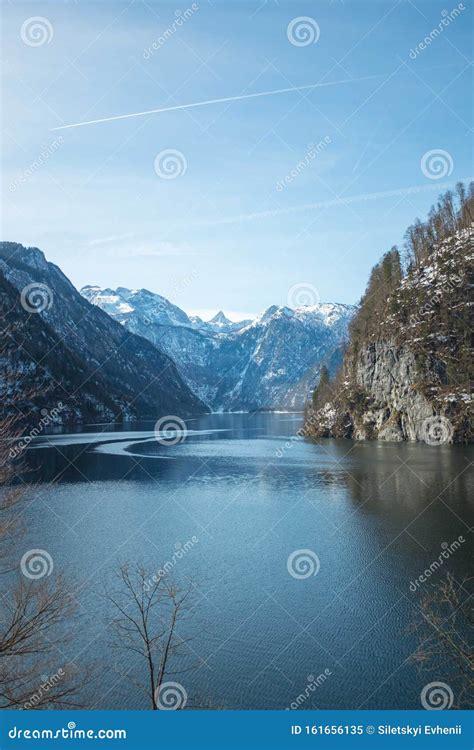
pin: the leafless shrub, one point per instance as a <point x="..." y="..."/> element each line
<point x="445" y="629"/>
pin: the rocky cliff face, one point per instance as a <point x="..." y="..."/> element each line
<point x="395" y="406"/>
<point x="409" y="378"/>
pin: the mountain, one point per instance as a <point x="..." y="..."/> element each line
<point x="272" y="362"/>
<point x="219" y="324"/>
<point x="59" y="347"/>
<point x="407" y="371"/>
<point x="123" y="304"/>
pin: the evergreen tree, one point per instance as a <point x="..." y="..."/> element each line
<point x="321" y="391"/>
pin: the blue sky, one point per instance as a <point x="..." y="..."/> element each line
<point x="241" y="224"/>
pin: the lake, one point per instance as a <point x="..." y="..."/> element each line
<point x="230" y="508"/>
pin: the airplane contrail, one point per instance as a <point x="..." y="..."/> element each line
<point x="219" y="101"/>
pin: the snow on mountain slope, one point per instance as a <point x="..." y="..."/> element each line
<point x="122" y="303"/>
<point x="271" y="362"/>
<point x="408" y="368"/>
<point x="97" y="367"/>
<point x="220" y="324"/>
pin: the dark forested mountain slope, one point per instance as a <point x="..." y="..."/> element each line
<point x="72" y="351"/>
<point x="407" y="372"/>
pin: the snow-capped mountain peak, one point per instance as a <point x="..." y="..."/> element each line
<point x="76" y="353"/>
<point x="123" y="303"/>
<point x="270" y="362"/>
<point x="220" y="323"/>
<point x="220" y="319"/>
<point x="324" y="314"/>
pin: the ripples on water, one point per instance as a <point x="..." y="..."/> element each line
<point x="252" y="493"/>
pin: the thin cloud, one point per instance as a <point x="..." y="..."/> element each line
<point x="341" y="201"/>
<point x="119" y="246"/>
<point x="108" y="240"/>
<point x="155" y="250"/>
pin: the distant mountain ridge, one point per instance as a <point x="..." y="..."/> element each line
<point x="123" y="303"/>
<point x="272" y="362"/>
<point x="219" y="323"/>
<point x="57" y="346"/>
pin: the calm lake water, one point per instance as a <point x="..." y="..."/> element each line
<point x="375" y="515"/>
